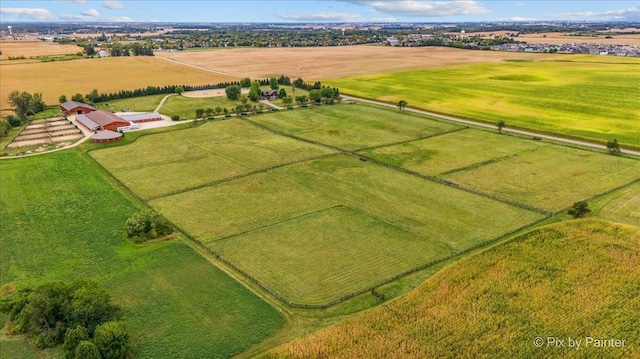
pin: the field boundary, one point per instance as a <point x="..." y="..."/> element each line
<point x="462" y="128"/>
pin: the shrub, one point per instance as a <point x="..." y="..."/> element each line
<point x="145" y="225"/>
<point x="175" y="117"/>
<point x="72" y="339"/>
<point x="113" y="340"/>
<point x="87" y="350"/>
<point x="579" y="209"/>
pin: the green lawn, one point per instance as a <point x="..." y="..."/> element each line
<point x="552" y="177"/>
<point x="354" y="126"/>
<point x="186" y="107"/>
<point x="62" y="220"/>
<point x="587" y="99"/>
<point x="453" y="151"/>
<point x="325" y="255"/>
<point x="160" y="164"/>
<point x="138" y="104"/>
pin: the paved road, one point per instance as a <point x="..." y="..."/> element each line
<point x="506" y="129"/>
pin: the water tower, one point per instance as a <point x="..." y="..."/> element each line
<point x="342" y="32"/>
<point x="9" y="27"/>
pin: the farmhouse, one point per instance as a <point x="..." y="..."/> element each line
<point x="269" y="95"/>
<point x="76" y="108"/>
<point x="101" y="120"/>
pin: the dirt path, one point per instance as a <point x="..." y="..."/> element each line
<point x="162" y="102"/>
<point x="221" y="72"/>
<point x="486" y="125"/>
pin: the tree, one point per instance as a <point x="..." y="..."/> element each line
<point x="401" y="105"/>
<point x="72" y="338"/>
<point x="77" y="98"/>
<point x="93" y="96"/>
<point x="254" y="92"/>
<point x="218" y="110"/>
<point x="200" y="112"/>
<point x="86" y="350"/>
<point x="113" y="340"/>
<point x="613" y="146"/>
<point x="287" y="101"/>
<point x="179" y="90"/>
<point x="62" y="98"/>
<point x="501" y="124"/>
<point x="298" y="83"/>
<point x="26" y="104"/>
<point x="579" y="209"/>
<point x="302" y="100"/>
<point x="327" y="94"/>
<point x="273" y="83"/>
<point x="315" y="95"/>
<point x="245" y="82"/>
<point x="233" y="92"/>
<point x="147" y="224"/>
<point x="282" y="93"/>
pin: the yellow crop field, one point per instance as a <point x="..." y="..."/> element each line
<point x="28" y="48"/>
<point x="53" y="79"/>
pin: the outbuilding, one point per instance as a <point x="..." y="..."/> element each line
<point x="76" y="108"/>
<point x="142" y="117"/>
<point x="101" y="120"/>
<point x="106" y="136"/>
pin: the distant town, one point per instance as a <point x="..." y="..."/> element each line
<point x="118" y="39"/>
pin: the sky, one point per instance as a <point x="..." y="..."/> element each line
<point x="304" y="11"/>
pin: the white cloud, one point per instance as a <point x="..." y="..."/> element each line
<point x="91" y="13"/>
<point x="79" y="1"/>
<point x="321" y="16"/>
<point x="30" y="13"/>
<point x="120" y="19"/>
<point x="420" y="8"/>
<point x="630" y="14"/>
<point x="112" y="4"/>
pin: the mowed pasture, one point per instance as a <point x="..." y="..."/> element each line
<point x="29" y="48"/>
<point x="587" y="99"/>
<point x="551" y="177"/>
<point x="320" y="63"/>
<point x="62" y="219"/>
<point x="354" y="126"/>
<point x="574" y="279"/>
<point x="107" y="75"/>
<point x="138" y="104"/>
<point x="161" y="164"/>
<point x="621" y="206"/>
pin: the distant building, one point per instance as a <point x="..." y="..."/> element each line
<point x="103" y="53"/>
<point x="106" y="136"/>
<point x="76" y="108"/>
<point x="269" y="95"/>
<point x="101" y="120"/>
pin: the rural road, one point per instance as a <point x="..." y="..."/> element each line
<point x="486" y="125"/>
<point x="162" y="102"/>
<point x="221" y="72"/>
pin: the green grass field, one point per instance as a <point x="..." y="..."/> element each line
<point x="552" y="177"/>
<point x="453" y="151"/>
<point x="621" y="206"/>
<point x="159" y="164"/>
<point x="586" y="99"/>
<point x="575" y="279"/>
<point x="354" y="126"/>
<point x="139" y="104"/>
<point x="316" y="258"/>
<point x="186" y="107"/>
<point x="62" y="220"/>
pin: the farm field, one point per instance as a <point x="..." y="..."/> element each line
<point x="354" y="126"/>
<point x="158" y="165"/>
<point x="551" y="177"/>
<point x="186" y="107"/>
<point x="496" y="303"/>
<point x="621" y="206"/>
<point x="131" y="73"/>
<point x="435" y="156"/>
<point x="321" y="63"/>
<point x="587" y="99"/>
<point x="26" y="48"/>
<point x="62" y="220"/>
<point x="138" y="104"/>
<point x="356" y="251"/>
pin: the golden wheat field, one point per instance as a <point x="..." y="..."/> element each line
<point x="320" y="63"/>
<point x="113" y="74"/>
<point x="29" y="48"/>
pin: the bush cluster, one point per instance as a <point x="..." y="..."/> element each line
<point x="78" y="315"/>
<point x="146" y="225"/>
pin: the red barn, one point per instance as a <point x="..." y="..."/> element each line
<point x="76" y="108"/>
<point x="101" y="120"/>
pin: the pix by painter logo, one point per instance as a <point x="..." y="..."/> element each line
<point x="578" y="343"/>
